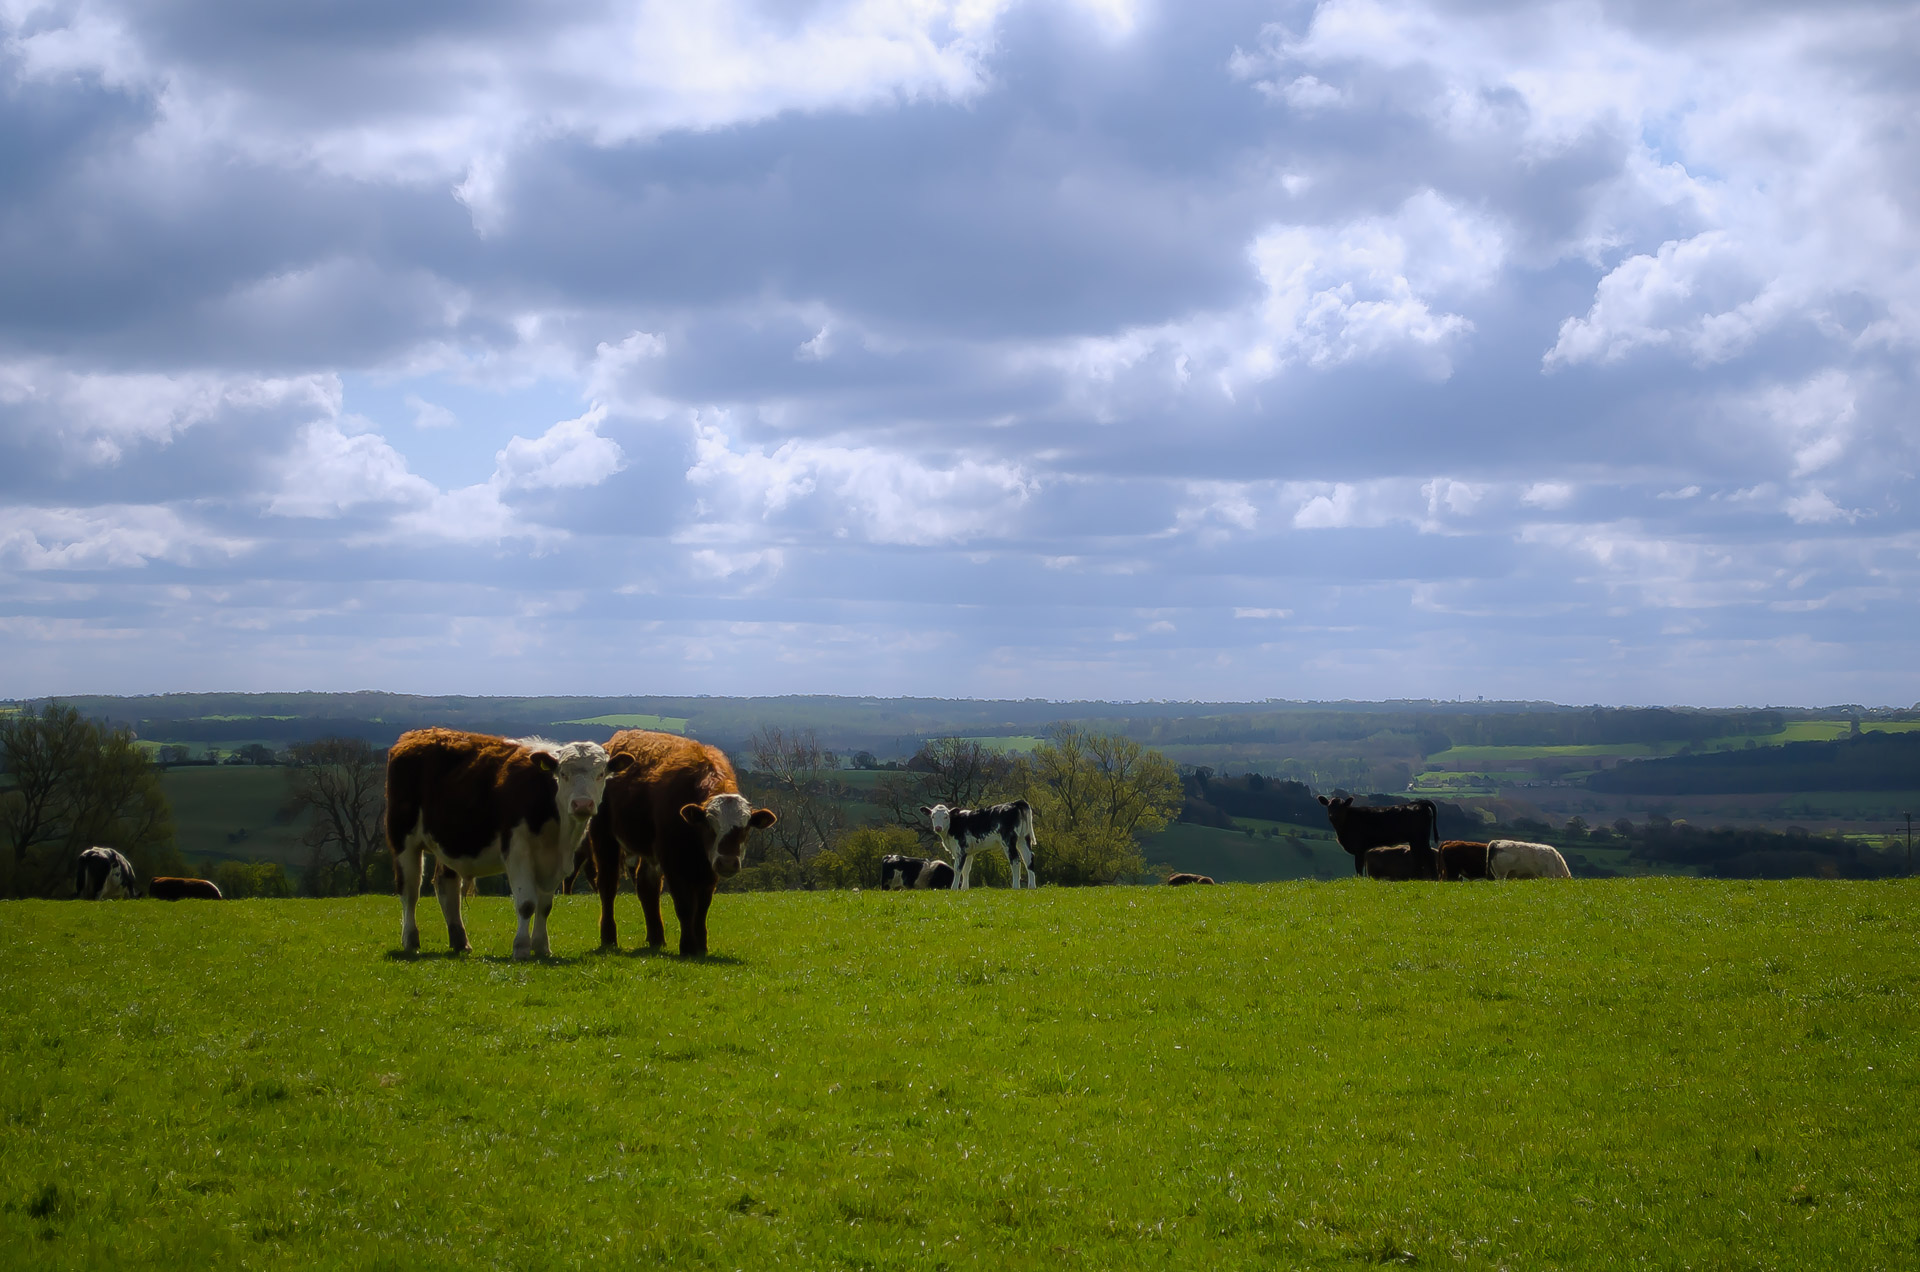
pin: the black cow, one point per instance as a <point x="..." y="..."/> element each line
<point x="104" y="875"/>
<point x="1359" y="829"/>
<point x="898" y="873"/>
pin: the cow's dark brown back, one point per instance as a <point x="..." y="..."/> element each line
<point x="1179" y="880"/>
<point x="1359" y="829"/>
<point x="168" y="888"/>
<point x="1463" y="859"/>
<point x="642" y="810"/>
<point x="1403" y="861"/>
<point x="464" y="786"/>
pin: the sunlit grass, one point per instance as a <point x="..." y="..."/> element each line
<point x="633" y="720"/>
<point x="1664" y="1073"/>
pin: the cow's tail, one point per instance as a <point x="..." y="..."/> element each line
<point x="1433" y="821"/>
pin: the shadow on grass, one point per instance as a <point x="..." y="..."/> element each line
<point x="564" y="960"/>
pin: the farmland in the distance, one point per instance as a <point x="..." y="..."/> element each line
<point x="1659" y="1073"/>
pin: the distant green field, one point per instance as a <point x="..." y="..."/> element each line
<point x="1007" y="746"/>
<point x="1646" y="1073"/>
<point x="1233" y="856"/>
<point x="233" y="812"/>
<point x="628" y="720"/>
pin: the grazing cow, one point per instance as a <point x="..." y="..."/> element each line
<point x="1463" y="859"/>
<point x="1178" y="880"/>
<point x="1359" y="829"/>
<point x="1518" y="859"/>
<point x="963" y="832"/>
<point x="483" y="805"/>
<point x="1401" y="861"/>
<point x="167" y="888"/>
<point x="104" y="875"/>
<point x="898" y="873"/>
<point x="676" y="811"/>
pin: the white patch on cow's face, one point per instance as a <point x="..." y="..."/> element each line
<point x="942" y="819"/>
<point x="579" y="775"/>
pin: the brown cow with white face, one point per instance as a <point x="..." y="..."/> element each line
<point x="677" y="813"/>
<point x="484" y="805"/>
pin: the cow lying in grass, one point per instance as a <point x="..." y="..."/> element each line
<point x="1359" y="829"/>
<point x="1401" y="861"/>
<point x="898" y="873"/>
<point x="1180" y="880"/>
<point x="1519" y="859"/>
<point x="1463" y="859"/>
<point x="167" y="888"/>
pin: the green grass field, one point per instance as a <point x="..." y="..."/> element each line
<point x="1659" y="1073"/>
<point x="233" y="812"/>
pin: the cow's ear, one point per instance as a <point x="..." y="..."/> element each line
<point x="545" y="762"/>
<point x="762" y="818"/>
<point x="619" y="763"/>
<point x="1325" y="802"/>
<point x="926" y="810"/>
<point x="693" y="814"/>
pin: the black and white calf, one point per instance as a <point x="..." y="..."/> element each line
<point x="963" y="832"/>
<point x="104" y="875"/>
<point x="899" y="873"/>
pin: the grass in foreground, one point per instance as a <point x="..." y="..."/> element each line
<point x="1599" y="1074"/>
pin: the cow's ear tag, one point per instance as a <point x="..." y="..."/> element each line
<point x="544" y="762"/>
<point x="693" y="814"/>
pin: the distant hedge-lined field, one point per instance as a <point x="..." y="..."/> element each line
<point x="1661" y="1073"/>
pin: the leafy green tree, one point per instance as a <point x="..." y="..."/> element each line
<point x="1095" y="795"/>
<point x="238" y="880"/>
<point x="854" y="862"/>
<point x="74" y="783"/>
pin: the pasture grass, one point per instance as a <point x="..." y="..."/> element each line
<point x="234" y="812"/>
<point x="1660" y="1072"/>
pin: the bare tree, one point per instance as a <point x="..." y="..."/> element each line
<point x="76" y="783"/>
<point x="792" y="773"/>
<point x="957" y="772"/>
<point x="341" y="783"/>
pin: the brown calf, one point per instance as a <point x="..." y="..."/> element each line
<point x="1463" y="859"/>
<point x="678" y="812"/>
<point x="1176" y="880"/>
<point x="167" y="888"/>
<point x="1403" y="861"/>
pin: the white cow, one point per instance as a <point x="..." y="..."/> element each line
<point x="1518" y="859"/>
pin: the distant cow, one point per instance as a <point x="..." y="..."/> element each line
<point x="166" y="888"/>
<point x="104" y="874"/>
<point x="1178" y="880"/>
<point x="675" y="810"/>
<point x="963" y="832"/>
<point x="1359" y="829"/>
<point x="1401" y="861"/>
<point x="483" y="805"/>
<point x="898" y="873"/>
<point x="1463" y="859"/>
<point x="1518" y="859"/>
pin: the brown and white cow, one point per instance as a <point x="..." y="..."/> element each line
<point x="1187" y="877"/>
<point x="168" y="888"/>
<point x="1358" y="829"/>
<point x="675" y="810"/>
<point x="485" y="805"/>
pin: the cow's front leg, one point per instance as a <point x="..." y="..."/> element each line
<point x="446" y="887"/>
<point x="646" y="881"/>
<point x="406" y="868"/>
<point x="526" y="902"/>
<point x="690" y="903"/>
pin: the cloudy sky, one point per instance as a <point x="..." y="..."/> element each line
<point x="1359" y="349"/>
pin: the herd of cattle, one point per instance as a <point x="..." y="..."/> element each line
<point x="669" y="809"/>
